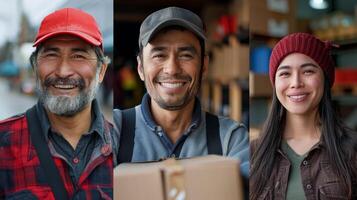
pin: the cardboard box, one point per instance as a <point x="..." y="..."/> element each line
<point x="272" y="17"/>
<point x="210" y="14"/>
<point x="259" y="85"/>
<point x="201" y="178"/>
<point x="240" y="9"/>
<point x="230" y="61"/>
<point x="239" y="67"/>
<point x="254" y="133"/>
<point x="277" y="6"/>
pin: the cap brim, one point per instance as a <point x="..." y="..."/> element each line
<point x="81" y="35"/>
<point x="172" y="22"/>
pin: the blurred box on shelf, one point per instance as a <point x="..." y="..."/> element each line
<point x="259" y="85"/>
<point x="303" y="25"/>
<point x="345" y="76"/>
<point x="277" y="6"/>
<point x="335" y="26"/>
<point x="200" y="178"/>
<point x="241" y="10"/>
<point x="254" y="133"/>
<point x="230" y="61"/>
<point x="356" y="12"/>
<point x="274" y="18"/>
<point x="259" y="59"/>
<point x="211" y="14"/>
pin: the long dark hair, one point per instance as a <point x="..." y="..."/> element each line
<point x="339" y="140"/>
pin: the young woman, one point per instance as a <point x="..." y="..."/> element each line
<point x="304" y="151"/>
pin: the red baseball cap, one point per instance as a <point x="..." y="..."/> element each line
<point x="69" y="21"/>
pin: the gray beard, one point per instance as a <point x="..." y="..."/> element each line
<point x="65" y="105"/>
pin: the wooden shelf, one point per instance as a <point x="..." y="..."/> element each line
<point x="212" y="97"/>
<point x="346" y="44"/>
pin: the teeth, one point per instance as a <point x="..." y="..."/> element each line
<point x="297" y="97"/>
<point x="172" y="85"/>
<point x="64" y="86"/>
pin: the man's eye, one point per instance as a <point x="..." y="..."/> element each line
<point x="49" y="55"/>
<point x="186" y="56"/>
<point x="78" y="57"/>
<point x="159" y="56"/>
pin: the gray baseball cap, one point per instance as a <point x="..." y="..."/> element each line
<point x="171" y="16"/>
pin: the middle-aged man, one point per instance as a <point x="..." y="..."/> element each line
<point x="169" y="122"/>
<point x="62" y="147"/>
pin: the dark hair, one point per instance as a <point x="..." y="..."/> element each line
<point x="340" y="143"/>
<point x="176" y="27"/>
<point x="102" y="59"/>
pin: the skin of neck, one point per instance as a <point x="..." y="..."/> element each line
<point x="173" y="122"/>
<point x="72" y="127"/>
<point x="302" y="126"/>
<point x="302" y="132"/>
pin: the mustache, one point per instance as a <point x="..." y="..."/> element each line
<point x="64" y="81"/>
<point x="177" y="77"/>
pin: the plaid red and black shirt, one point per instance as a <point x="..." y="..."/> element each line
<point x="22" y="177"/>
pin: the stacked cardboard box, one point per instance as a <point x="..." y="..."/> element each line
<point x="259" y="85"/>
<point x="201" y="178"/>
<point x="210" y="14"/>
<point x="240" y="9"/>
<point x="230" y="61"/>
<point x="335" y="26"/>
<point x="345" y="82"/>
<point x="272" y="17"/>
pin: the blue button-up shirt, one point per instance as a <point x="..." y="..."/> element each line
<point x="151" y="143"/>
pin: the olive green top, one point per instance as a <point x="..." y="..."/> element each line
<point x="295" y="189"/>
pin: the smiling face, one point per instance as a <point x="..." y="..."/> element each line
<point x="67" y="74"/>
<point x="171" y="68"/>
<point x="299" y="84"/>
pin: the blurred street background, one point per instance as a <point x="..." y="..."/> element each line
<point x="19" y="21"/>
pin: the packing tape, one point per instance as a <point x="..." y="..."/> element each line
<point x="174" y="180"/>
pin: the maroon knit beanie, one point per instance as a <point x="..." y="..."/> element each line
<point x="306" y="44"/>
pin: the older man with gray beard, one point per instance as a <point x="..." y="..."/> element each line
<point x="67" y="105"/>
<point x="62" y="148"/>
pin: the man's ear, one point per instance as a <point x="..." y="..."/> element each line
<point x="102" y="72"/>
<point x="205" y="66"/>
<point x="140" y="68"/>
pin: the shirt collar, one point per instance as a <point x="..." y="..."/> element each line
<point x="147" y="115"/>
<point x="44" y="121"/>
<point x="97" y="124"/>
<point x="318" y="145"/>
